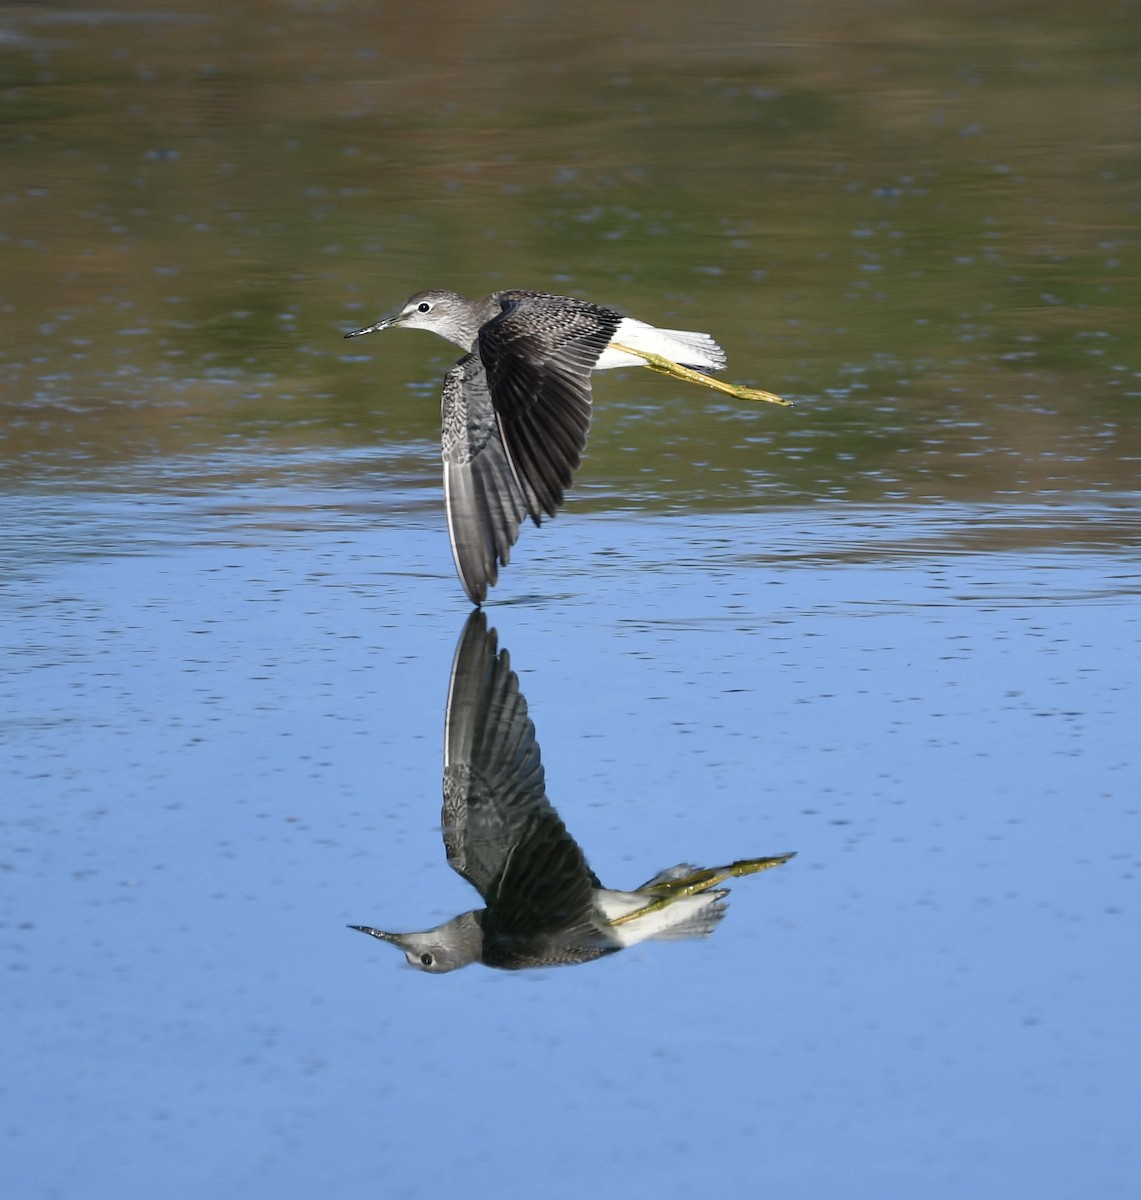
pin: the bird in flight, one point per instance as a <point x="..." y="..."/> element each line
<point x="516" y="407"/>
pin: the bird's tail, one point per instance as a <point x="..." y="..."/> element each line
<point x="682" y="346"/>
<point x="673" y="900"/>
<point x="633" y="917"/>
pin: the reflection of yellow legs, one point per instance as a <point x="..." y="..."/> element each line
<point x="701" y="880"/>
<point x="668" y="367"/>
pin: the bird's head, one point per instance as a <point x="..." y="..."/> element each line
<point x="444" y="313"/>
<point x="457" y="943"/>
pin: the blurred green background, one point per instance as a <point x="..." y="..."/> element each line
<point x="920" y="221"/>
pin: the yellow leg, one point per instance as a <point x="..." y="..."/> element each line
<point x="750" y="866"/>
<point x="700" y="881"/>
<point x="668" y="367"/>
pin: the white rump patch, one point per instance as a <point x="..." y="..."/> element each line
<point x="679" y="345"/>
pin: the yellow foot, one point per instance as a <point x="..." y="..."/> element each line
<point x="668" y="367"/>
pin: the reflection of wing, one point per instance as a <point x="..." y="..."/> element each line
<point x="484" y="504"/>
<point x="543" y="910"/>
<point x="500" y="831"/>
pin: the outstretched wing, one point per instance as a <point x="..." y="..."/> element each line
<point x="500" y="830"/>
<point x="538" y="354"/>
<point x="484" y="503"/>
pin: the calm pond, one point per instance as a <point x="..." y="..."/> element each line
<point x="893" y="629"/>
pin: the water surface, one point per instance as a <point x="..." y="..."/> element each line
<point x="893" y="630"/>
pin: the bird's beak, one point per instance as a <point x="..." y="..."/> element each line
<point x="392" y="938"/>
<point x="383" y="323"/>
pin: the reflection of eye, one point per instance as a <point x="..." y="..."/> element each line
<point x="424" y="306"/>
<point x="426" y="959"/>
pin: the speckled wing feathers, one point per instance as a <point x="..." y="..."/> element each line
<point x="500" y="830"/>
<point x="538" y="354"/>
<point x="485" y="505"/>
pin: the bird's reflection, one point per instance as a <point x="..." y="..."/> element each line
<point x="544" y="905"/>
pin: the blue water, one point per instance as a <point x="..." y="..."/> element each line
<point x="222" y="737"/>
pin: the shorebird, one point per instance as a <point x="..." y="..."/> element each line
<point x="543" y="905"/>
<point x="516" y="407"/>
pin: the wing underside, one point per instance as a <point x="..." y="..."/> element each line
<point x="484" y="502"/>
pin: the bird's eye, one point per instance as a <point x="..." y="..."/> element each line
<point x="426" y="959"/>
<point x="423" y="306"/>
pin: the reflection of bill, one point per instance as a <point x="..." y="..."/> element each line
<point x="545" y="906"/>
